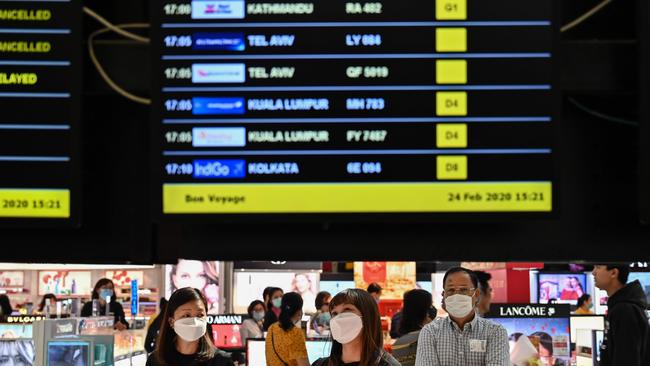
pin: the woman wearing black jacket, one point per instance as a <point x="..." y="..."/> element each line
<point x="105" y="288"/>
<point x="273" y="307"/>
<point x="184" y="338"/>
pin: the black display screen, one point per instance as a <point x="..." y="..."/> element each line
<point x="383" y="107"/>
<point x="40" y="87"/>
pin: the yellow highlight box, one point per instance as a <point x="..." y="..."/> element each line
<point x="451" y="103"/>
<point x="451" y="9"/>
<point x="451" y="167"/>
<point x="451" y="135"/>
<point x="451" y="71"/>
<point x="35" y="203"/>
<point x="451" y="39"/>
<point x="356" y="198"/>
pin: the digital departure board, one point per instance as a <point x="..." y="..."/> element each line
<point x="329" y="106"/>
<point x="40" y="87"/>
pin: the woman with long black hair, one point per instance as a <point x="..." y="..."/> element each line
<point x="104" y="289"/>
<point x="357" y="339"/>
<point x="184" y="338"/>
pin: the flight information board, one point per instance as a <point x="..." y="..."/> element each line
<point x="330" y="106"/>
<point x="40" y="87"/>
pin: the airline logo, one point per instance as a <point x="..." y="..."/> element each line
<point x="219" y="137"/>
<point x="219" y="169"/>
<point x="218" y="41"/>
<point x="207" y="106"/>
<point x="218" y="73"/>
<point x="218" y="9"/>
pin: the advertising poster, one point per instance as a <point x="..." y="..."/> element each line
<point x="395" y="278"/>
<point x="64" y="282"/>
<point x="11" y="279"/>
<point x="124" y="278"/>
<point x="200" y="275"/>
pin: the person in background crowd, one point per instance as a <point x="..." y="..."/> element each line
<point x="375" y="291"/>
<point x="585" y="305"/>
<point x="285" y="341"/>
<point x="5" y="307"/>
<point x="415" y="315"/>
<point x="463" y="338"/>
<point x="254" y="326"/>
<point x="154" y="327"/>
<point x="627" y="333"/>
<point x="266" y="293"/>
<point x="199" y="275"/>
<point x="41" y="305"/>
<point x="320" y="321"/>
<point x="485" y="301"/>
<point x="357" y="338"/>
<point x="273" y="307"/>
<point x="394" y="323"/>
<point x="184" y="339"/>
<point x="546" y="350"/>
<point x="105" y="288"/>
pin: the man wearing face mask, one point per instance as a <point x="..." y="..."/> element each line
<point x="464" y="338"/>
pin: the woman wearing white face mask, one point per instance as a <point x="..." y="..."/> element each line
<point x="184" y="339"/>
<point x="252" y="327"/>
<point x="285" y="342"/>
<point x="355" y="326"/>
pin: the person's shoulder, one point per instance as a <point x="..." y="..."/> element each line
<point x="492" y="326"/>
<point x="435" y="325"/>
<point x="152" y="360"/>
<point x="388" y="360"/>
<point x="321" y="361"/>
<point x="221" y="358"/>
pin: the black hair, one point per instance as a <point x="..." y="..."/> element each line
<point x="271" y="291"/>
<point x="483" y="280"/>
<point x="470" y="273"/>
<point x="253" y="305"/>
<point x="41" y="306"/>
<point x="100" y="283"/>
<point x="583" y="299"/>
<point x="374" y="288"/>
<point x="545" y="340"/>
<point x="291" y="304"/>
<point x="5" y="304"/>
<point x="417" y="304"/>
<point x="320" y="299"/>
<point x="267" y="292"/>
<point x="623" y="271"/>
<point x="166" y="352"/>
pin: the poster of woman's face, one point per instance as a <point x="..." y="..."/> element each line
<point x="203" y="276"/>
<point x="16" y="353"/>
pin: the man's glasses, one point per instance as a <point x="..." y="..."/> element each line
<point x="459" y="291"/>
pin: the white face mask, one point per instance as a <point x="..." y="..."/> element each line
<point x="190" y="329"/>
<point x="346" y="327"/>
<point x="459" y="306"/>
<point x="258" y="315"/>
